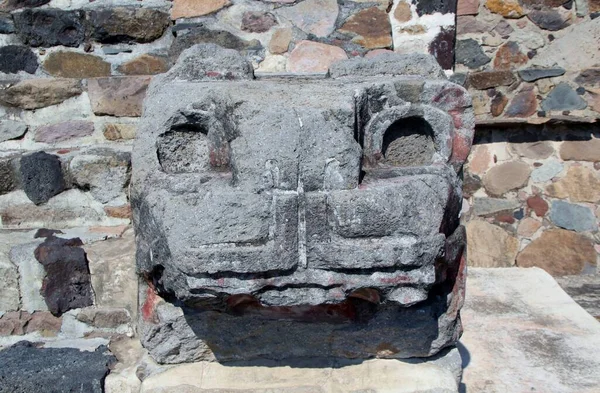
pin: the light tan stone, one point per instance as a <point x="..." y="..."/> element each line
<point x="506" y="177"/>
<point x="312" y="16"/>
<point x="40" y="93"/>
<point x="402" y="13"/>
<point x="193" y="8"/>
<point x="376" y="375"/>
<point x="119" y="131"/>
<point x="581" y="184"/>
<point x="118" y="96"/>
<point x="112" y="266"/>
<point x="489" y="245"/>
<point x="144" y="65"/>
<point x="480" y="159"/>
<point x="581" y="150"/>
<point x="467" y="7"/>
<point x="528" y="226"/>
<point x="280" y="41"/>
<point x="309" y="56"/>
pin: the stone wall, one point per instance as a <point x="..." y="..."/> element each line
<point x="73" y="75"/>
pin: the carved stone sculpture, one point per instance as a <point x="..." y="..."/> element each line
<point x="283" y="217"/>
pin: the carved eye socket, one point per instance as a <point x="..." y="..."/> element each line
<point x="408" y="142"/>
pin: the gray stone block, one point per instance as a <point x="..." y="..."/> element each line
<point x="325" y="210"/>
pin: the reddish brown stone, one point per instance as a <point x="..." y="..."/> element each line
<point x="13" y="323"/>
<point x="257" y="22"/>
<point x="559" y="252"/>
<point x="538" y="205"/>
<point x="498" y="104"/>
<point x="523" y="104"/>
<point x="467" y="7"/>
<point x="371" y="27"/>
<point x="118" y="211"/>
<point x="144" y="65"/>
<point x="509" y="56"/>
<point x="45" y="323"/>
<point x="486" y="79"/>
<point x="75" y="65"/>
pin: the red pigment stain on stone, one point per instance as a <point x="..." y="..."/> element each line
<point x="454" y="96"/>
<point x="63" y="151"/>
<point x="213" y="74"/>
<point x="457" y="117"/>
<point x="461" y="146"/>
<point x="149" y="305"/>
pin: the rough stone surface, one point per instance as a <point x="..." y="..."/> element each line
<point x="63" y="131"/>
<point x="523" y="104"/>
<point x="488" y="206"/>
<point x="486" y="79"/>
<point x="104" y="172"/>
<point x="522" y="314"/>
<point x="538" y="205"/>
<point x="31" y="274"/>
<point x="312" y="16"/>
<point x="41" y="176"/>
<point x="498" y="104"/>
<point x="589" y="77"/>
<point x="311" y="224"/>
<point x="533" y="74"/>
<point x="559" y="252"/>
<point x="50" y="27"/>
<point x="371" y="27"/>
<point x="579" y="185"/>
<point x="528" y="226"/>
<point x="67" y="283"/>
<point x="509" y="56"/>
<point x="547" y="171"/>
<point x="563" y="98"/>
<point x="469" y="53"/>
<point x="442" y="47"/>
<point x="25" y="368"/>
<point x="118" y="96"/>
<point x="120" y="24"/>
<point x="104" y="318"/>
<point x="257" y="21"/>
<point x="574" y="217"/>
<point x="10" y="5"/>
<point x="506" y="177"/>
<point x="550" y="20"/>
<point x="310" y="56"/>
<point x="75" y="65"/>
<point x="467" y="7"/>
<point x="280" y="41"/>
<point x="202" y="35"/>
<point x="40" y="93"/>
<point x="490" y="246"/>
<point x="119" y="131"/>
<point x="9" y="285"/>
<point x="428" y="7"/>
<point x="506" y="8"/>
<point x="580" y="150"/>
<point x="15" y="58"/>
<point x="9" y="174"/>
<point x="390" y="64"/>
<point x="535" y="150"/>
<point x="418" y="376"/>
<point x="402" y="13"/>
<point x="112" y="266"/>
<point x="193" y="8"/>
<point x="144" y="65"/>
<point x="585" y="290"/>
<point x="11" y="129"/>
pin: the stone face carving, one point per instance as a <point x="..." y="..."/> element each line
<point x="289" y="217"/>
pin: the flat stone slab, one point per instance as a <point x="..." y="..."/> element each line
<point x="304" y="376"/>
<point x="523" y="333"/>
<point x="585" y="290"/>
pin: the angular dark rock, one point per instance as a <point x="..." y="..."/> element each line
<point x="548" y="19"/>
<point x="24" y="368"/>
<point x="498" y="104"/>
<point x="50" y="27"/>
<point x="509" y="56"/>
<point x="429" y="7"/>
<point x="563" y="98"/>
<point x="572" y="216"/>
<point x="486" y="79"/>
<point x="122" y="24"/>
<point x="67" y="284"/>
<point x="41" y="176"/>
<point x="202" y="35"/>
<point x="9" y="176"/>
<point x="442" y="48"/>
<point x="9" y="5"/>
<point x="469" y="53"/>
<point x="523" y="104"/>
<point x="7" y="26"/>
<point x="533" y="74"/>
<point x="589" y="77"/>
<point x="15" y="58"/>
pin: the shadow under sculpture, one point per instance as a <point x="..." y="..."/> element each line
<point x="288" y="217"/>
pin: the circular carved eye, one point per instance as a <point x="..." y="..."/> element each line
<point x="408" y="142"/>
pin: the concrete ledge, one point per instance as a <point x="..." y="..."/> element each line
<point x="523" y="333"/>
